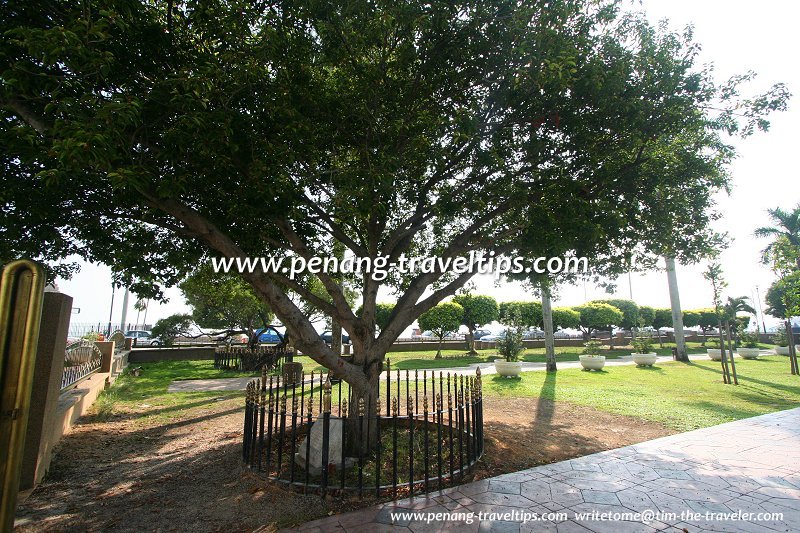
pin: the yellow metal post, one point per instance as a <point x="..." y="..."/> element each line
<point x="21" y="295"/>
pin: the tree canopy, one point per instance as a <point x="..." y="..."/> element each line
<point x="225" y="302"/>
<point x="647" y="316"/>
<point x="566" y="318"/>
<point x="663" y="318"/>
<point x="522" y="315"/>
<point x="598" y="316"/>
<point x="479" y="310"/>
<point x="630" y="311"/>
<point x="779" y="291"/>
<point x="691" y="318"/>
<point x="152" y="140"/>
<point x="168" y="329"/>
<point x="783" y="253"/>
<point x="442" y="319"/>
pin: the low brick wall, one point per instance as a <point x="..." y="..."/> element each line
<point x="151" y="355"/>
<point x="423" y="346"/>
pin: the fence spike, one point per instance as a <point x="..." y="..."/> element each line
<point x="326" y="395"/>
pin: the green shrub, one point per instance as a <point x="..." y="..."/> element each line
<point x="592" y="348"/>
<point x="92" y="336"/>
<point x="749" y="339"/>
<point x="713" y="343"/>
<point x="781" y="338"/>
<point x="642" y="343"/>
<point x="510" y="346"/>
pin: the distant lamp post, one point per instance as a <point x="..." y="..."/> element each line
<point x="761" y="311"/>
<point x="111" y="311"/>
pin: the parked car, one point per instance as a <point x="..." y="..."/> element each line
<point x="269" y="335"/>
<point x="142" y="337"/>
<point x="327" y="336"/>
<point x="533" y="334"/>
<point x="494" y="337"/>
<point x="479" y="333"/>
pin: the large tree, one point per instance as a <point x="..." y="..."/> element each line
<point x="629" y="308"/>
<point x="479" y="310"/>
<point x="777" y="295"/>
<point x="598" y="316"/>
<point x="520" y="315"/>
<point x="441" y="320"/>
<point x="151" y="136"/>
<point x="225" y="303"/>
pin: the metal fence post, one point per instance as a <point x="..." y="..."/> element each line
<point x="326" y="421"/>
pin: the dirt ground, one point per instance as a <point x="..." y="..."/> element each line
<point x="122" y="475"/>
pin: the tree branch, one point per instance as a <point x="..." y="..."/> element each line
<point x="29" y="117"/>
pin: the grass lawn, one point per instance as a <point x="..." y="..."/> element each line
<point x="683" y="396"/>
<point x="147" y="394"/>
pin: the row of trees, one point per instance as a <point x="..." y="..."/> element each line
<point x="475" y="311"/>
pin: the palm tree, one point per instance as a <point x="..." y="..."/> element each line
<point x="785" y="229"/>
<point x="734" y="306"/>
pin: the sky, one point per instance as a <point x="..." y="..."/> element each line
<point x="736" y="36"/>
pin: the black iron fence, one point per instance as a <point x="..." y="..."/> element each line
<point x="425" y="433"/>
<point x="249" y="359"/>
<point x="81" y="359"/>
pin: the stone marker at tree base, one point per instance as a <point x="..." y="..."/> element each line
<point x="335" y="428"/>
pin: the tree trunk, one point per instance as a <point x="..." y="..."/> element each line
<point x="439" y="349"/>
<point x="371" y="363"/>
<point x="336" y="336"/>
<point x="471" y="340"/>
<point x="677" y="315"/>
<point x="549" y="339"/>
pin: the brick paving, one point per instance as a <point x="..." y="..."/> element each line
<point x="748" y="466"/>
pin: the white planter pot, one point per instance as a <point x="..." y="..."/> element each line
<point x="714" y="354"/>
<point x="782" y="350"/>
<point x="508" y="369"/>
<point x="593" y="363"/>
<point x="644" y="359"/>
<point x="747" y="353"/>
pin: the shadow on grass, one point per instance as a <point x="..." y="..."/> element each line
<point x="545" y="404"/>
<point x="106" y="409"/>
<point x="507" y="383"/>
<point x="652" y="368"/>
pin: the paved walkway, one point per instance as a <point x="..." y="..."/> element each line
<point x="704" y="480"/>
<point x="232" y="384"/>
